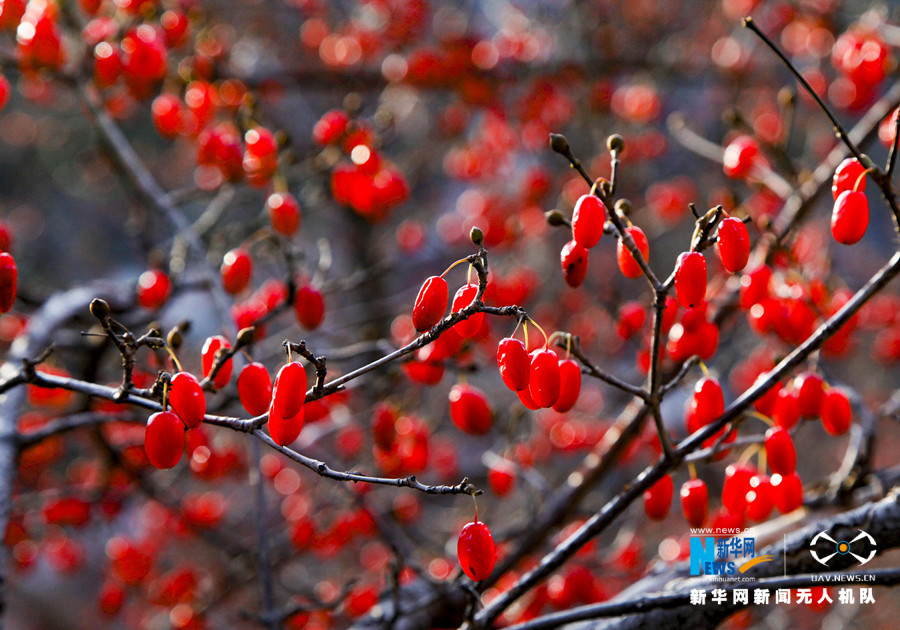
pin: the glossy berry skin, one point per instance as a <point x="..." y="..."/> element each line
<point x="708" y="402"/>
<point x="574" y="260"/>
<point x="289" y="391"/>
<point x="695" y="502"/>
<point x="186" y="399"/>
<point x="476" y="551"/>
<point x="208" y="356"/>
<point x="736" y="486"/>
<point x="836" y="412"/>
<point x="569" y="385"/>
<point x="760" y="498"/>
<point x="8" y="281"/>
<point x="627" y="264"/>
<point x="164" y="439"/>
<point x="464" y="296"/>
<point x="309" y="307"/>
<point x="514" y="363"/>
<point x="166" y="112"/>
<point x="690" y="279"/>
<point x="431" y="303"/>
<point x="502" y="477"/>
<point x="237" y="266"/>
<point x="810" y="389"/>
<point x="587" y="221"/>
<point x="543" y="382"/>
<point x="153" y="289"/>
<point x="846" y="176"/>
<point x="658" y="498"/>
<point x="284" y="429"/>
<point x="787" y="490"/>
<point x="255" y="388"/>
<point x="733" y="244"/>
<point x="740" y="156"/>
<point x="780" y="452"/>
<point x="850" y="217"/>
<point x="284" y="212"/>
<point x="470" y="410"/>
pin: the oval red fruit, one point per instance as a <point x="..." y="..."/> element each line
<point x="780" y="452"/>
<point x="543" y="382"/>
<point x="658" y="498"/>
<point x="695" y="502"/>
<point x="284" y="429"/>
<point x="787" y="491"/>
<point x="289" y="391"/>
<point x="514" y="363"/>
<point x="470" y="410"/>
<point x="164" y="439"/>
<point x="569" y="385"/>
<point x="255" y="388"/>
<point x="208" y="356"/>
<point x="846" y="176"/>
<point x="850" y="217"/>
<point x="431" y="303"/>
<point x="476" y="551"/>
<point x="690" y="279"/>
<point x="836" y="412"/>
<point x="740" y="156"/>
<point x="153" y="288"/>
<point x="237" y="266"/>
<point x="464" y="296"/>
<point x="8" y="281"/>
<point x="587" y="221"/>
<point x="733" y="244"/>
<point x="627" y="264"/>
<point x="574" y="260"/>
<point x="187" y="399"/>
<point x="284" y="212"/>
<point x="309" y="306"/>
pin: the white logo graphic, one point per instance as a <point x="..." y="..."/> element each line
<point x="841" y="547"/>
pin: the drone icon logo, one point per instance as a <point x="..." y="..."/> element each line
<point x="841" y="547"/>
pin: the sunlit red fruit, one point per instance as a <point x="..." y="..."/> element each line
<point x="8" y="281"/>
<point x="514" y="363"/>
<point x="186" y="399"/>
<point x="627" y="264"/>
<point x="309" y="307"/>
<point x="850" y="217"/>
<point x="836" y="412"/>
<point x="569" y="385"/>
<point x="736" y="486"/>
<point x="153" y="288"/>
<point x="470" y="410"/>
<point x="574" y="260"/>
<point x="164" y="439"/>
<point x="501" y="477"/>
<point x="289" y="391"/>
<point x="284" y="212"/>
<point x="740" y="156"/>
<point x="237" y="266"/>
<point x="544" y="378"/>
<point x="733" y="244"/>
<point x="787" y="491"/>
<point x="690" y="279"/>
<point x="255" y="388"/>
<point x="760" y="498"/>
<point x="848" y="176"/>
<point x="431" y="303"/>
<point x="587" y="221"/>
<point x="464" y="296"/>
<point x="207" y="358"/>
<point x="780" y="452"/>
<point x="144" y="58"/>
<point x="658" y="498"/>
<point x="476" y="551"/>
<point x="330" y="127"/>
<point x="695" y="502"/>
<point x="167" y="112"/>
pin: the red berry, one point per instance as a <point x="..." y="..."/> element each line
<point x="289" y="391"/>
<point x="836" y="412"/>
<point x="514" y="363"/>
<point x="309" y="306"/>
<point x="502" y="477"/>
<point x="780" y="451"/>
<point x="526" y="400"/>
<point x="786" y="411"/>
<point x="207" y="358"/>
<point x="237" y="266"/>
<point x="658" y="498"/>
<point x="284" y="429"/>
<point x="431" y="303"/>
<point x="464" y="296"/>
<point x="695" y="502"/>
<point x="284" y="212"/>
<point x="175" y="26"/>
<point x="330" y="127"/>
<point x="384" y="429"/>
<point x="690" y="279"/>
<point x="8" y="280"/>
<point x="4" y="88"/>
<point x="760" y="498"/>
<point x="167" y="112"/>
<point x="787" y="491"/>
<point x="106" y="65"/>
<point x="810" y="390"/>
<point x="632" y="316"/>
<point x="144" y="58"/>
<point x="708" y="402"/>
<point x="733" y="244"/>
<point x="164" y="439"/>
<point x="736" y="486"/>
<point x="574" y="259"/>
<point x="111" y="597"/>
<point x="850" y="217"/>
<point x="543" y="382"/>
<point x="569" y="385"/>
<point x="255" y="388"/>
<point x="846" y="176"/>
<point x="187" y="400"/>
<point x="153" y="289"/>
<point x="476" y="551"/>
<point x="627" y="264"/>
<point x="587" y="221"/>
<point x="470" y="410"/>
<point x="740" y="156"/>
